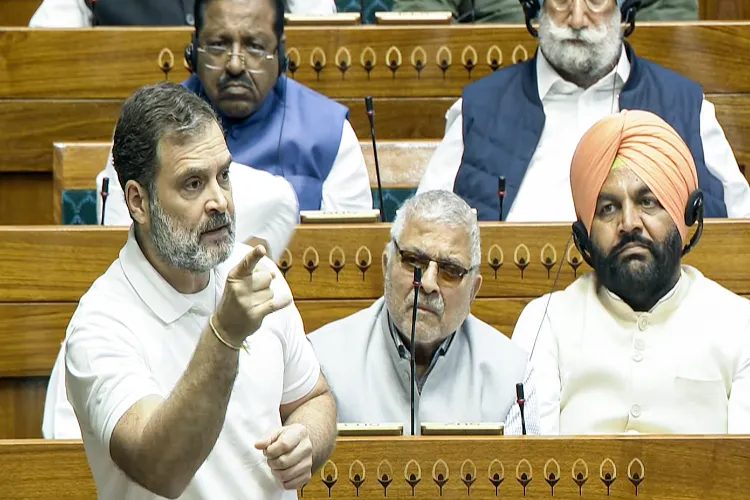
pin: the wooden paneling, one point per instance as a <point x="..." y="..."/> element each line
<point x="724" y="9"/>
<point x="92" y="64"/>
<point x="26" y="198"/>
<point x="17" y="12"/>
<point x="21" y="409"/>
<point x="51" y="264"/>
<point x="667" y="468"/>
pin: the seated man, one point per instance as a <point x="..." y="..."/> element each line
<point x="186" y="361"/>
<point x="582" y="72"/>
<point x="643" y="344"/>
<point x="466" y="371"/>
<point x="87" y="13"/>
<point x="272" y="123"/>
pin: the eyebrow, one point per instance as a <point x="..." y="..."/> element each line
<point x="191" y="171"/>
<point x="447" y="260"/>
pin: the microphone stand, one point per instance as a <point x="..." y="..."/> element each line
<point x="412" y="348"/>
<point x="371" y="116"/>
<point x="105" y="194"/>
<point x="501" y="195"/>
<point x="521" y="402"/>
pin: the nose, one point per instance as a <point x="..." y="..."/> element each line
<point x="578" y="14"/>
<point x="217" y="199"/>
<point x="235" y="64"/>
<point x="429" y="279"/>
<point x="631" y="218"/>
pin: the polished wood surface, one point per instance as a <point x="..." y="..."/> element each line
<point x="664" y="468"/>
<point x="409" y="61"/>
<point x="17" y="12"/>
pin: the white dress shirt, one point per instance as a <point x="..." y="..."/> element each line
<point x="347" y="187"/>
<point x="265" y="205"/>
<point x="471" y="379"/>
<point x="681" y="368"/>
<point x="76" y="14"/>
<point x="570" y="112"/>
<point x="133" y="335"/>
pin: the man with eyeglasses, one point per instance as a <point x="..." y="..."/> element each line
<point x="522" y="123"/>
<point x="466" y="371"/>
<point x="272" y="123"/>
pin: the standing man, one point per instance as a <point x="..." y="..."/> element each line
<point x="524" y="121"/>
<point x="186" y="361"/>
<point x="643" y="344"/>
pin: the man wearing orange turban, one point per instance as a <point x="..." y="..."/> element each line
<point x="625" y="349"/>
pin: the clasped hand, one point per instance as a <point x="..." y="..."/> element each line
<point x="289" y="454"/>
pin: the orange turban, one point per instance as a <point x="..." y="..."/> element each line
<point x="646" y="144"/>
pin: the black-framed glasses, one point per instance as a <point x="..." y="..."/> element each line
<point x="448" y="272"/>
<point x="219" y="54"/>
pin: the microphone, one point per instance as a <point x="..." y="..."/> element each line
<point x="105" y="193"/>
<point x="521" y="401"/>
<point x="501" y="195"/>
<point x="413" y="364"/>
<point x="371" y="117"/>
<point x="473" y="11"/>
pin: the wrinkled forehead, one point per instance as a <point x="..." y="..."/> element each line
<point x="239" y="17"/>
<point x="436" y="239"/>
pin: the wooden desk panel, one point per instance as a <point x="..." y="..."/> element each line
<point x="664" y="468"/>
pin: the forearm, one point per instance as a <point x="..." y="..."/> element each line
<point x="318" y="415"/>
<point x="182" y="431"/>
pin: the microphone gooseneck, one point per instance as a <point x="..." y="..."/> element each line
<point x="105" y="194"/>
<point x="521" y="402"/>
<point x="501" y="195"/>
<point x="371" y="116"/>
<point x="412" y="347"/>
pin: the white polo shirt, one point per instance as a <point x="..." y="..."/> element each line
<point x="133" y="335"/>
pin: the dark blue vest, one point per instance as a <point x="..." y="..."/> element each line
<point x="503" y="120"/>
<point x="303" y="152"/>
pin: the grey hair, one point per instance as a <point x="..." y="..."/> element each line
<point x="440" y="207"/>
<point x="154" y="113"/>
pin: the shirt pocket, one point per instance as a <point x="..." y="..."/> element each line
<point x="701" y="403"/>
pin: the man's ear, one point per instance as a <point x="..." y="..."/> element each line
<point x="384" y="261"/>
<point x="477" y="285"/>
<point x="136" y="198"/>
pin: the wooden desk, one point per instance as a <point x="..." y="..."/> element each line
<point x="415" y="74"/>
<point x="44" y="271"/>
<point x="664" y="468"/>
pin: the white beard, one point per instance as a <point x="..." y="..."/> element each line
<point x="588" y="53"/>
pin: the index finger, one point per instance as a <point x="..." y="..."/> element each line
<point x="246" y="267"/>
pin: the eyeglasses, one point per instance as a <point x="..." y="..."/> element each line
<point x="595" y="6"/>
<point x="218" y="55"/>
<point x="448" y="273"/>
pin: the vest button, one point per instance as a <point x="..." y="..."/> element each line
<point x="637" y="357"/>
<point x="635" y="410"/>
<point x="189" y="19"/>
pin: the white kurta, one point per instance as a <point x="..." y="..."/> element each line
<point x="683" y="367"/>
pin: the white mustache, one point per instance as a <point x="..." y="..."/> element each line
<point x="588" y="35"/>
<point x="432" y="302"/>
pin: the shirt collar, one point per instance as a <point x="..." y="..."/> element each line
<point x="547" y="76"/>
<point x="401" y="348"/>
<point x="158" y="295"/>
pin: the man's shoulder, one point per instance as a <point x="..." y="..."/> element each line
<point x="306" y="94"/>
<point x="714" y="297"/>
<point x="352" y="329"/>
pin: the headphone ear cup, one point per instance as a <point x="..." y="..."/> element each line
<point x="191" y="54"/>
<point x="531" y="8"/>
<point x="694" y="208"/>
<point x="581" y="240"/>
<point x="283" y="58"/>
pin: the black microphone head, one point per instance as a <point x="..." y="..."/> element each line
<point x="369" y="106"/>
<point x="501" y="184"/>
<point x="417" y="276"/>
<point x="105" y="185"/>
<point x="519" y="391"/>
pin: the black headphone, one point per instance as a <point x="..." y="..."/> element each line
<point x="628" y="9"/>
<point x="694" y="211"/>
<point x="191" y="50"/>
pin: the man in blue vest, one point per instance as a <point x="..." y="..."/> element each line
<point x="522" y="123"/>
<point x="272" y="123"/>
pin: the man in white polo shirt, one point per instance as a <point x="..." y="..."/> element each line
<point x="186" y="362"/>
<point x="643" y="344"/>
<point x="466" y="371"/>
